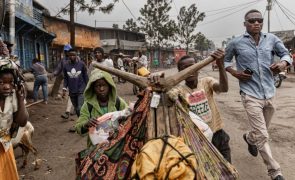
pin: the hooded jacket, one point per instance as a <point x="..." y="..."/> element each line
<point x="91" y="98"/>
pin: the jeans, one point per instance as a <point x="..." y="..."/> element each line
<point x="41" y="80"/>
<point x="77" y="101"/>
<point x="220" y="140"/>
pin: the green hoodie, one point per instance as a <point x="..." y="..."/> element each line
<point x="91" y="98"/>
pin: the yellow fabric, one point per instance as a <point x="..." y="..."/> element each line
<point x="204" y="85"/>
<point x="143" y="71"/>
<point x="147" y="161"/>
<point x="8" y="170"/>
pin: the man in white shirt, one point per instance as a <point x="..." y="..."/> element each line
<point x="142" y="60"/>
<point x="109" y="61"/>
<point x="98" y="58"/>
<point x="120" y="62"/>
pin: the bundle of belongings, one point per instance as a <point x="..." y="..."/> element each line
<point x="112" y="159"/>
<point x="124" y="153"/>
<point x="108" y="126"/>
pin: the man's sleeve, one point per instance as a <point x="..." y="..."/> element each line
<point x="210" y="81"/>
<point x="229" y="54"/>
<point x="173" y="94"/>
<point x="58" y="69"/>
<point x="85" y="75"/>
<point x="31" y="69"/>
<point x="65" y="78"/>
<point x="282" y="51"/>
<point x="83" y="119"/>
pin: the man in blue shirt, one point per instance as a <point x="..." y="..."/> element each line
<point x="254" y="53"/>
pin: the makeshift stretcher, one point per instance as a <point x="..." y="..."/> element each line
<point x="148" y="121"/>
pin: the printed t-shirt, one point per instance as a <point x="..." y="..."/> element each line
<point x="201" y="101"/>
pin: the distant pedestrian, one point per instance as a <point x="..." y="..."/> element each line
<point x="168" y="62"/>
<point x="109" y="61"/>
<point x="254" y="54"/>
<point x="41" y="79"/>
<point x="59" y="72"/>
<point x="156" y="63"/>
<point x="143" y="61"/>
<point x="120" y="62"/>
<point x="98" y="58"/>
<point x="75" y="80"/>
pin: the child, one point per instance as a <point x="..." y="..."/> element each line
<point x="100" y="98"/>
<point x="12" y="110"/>
<point x="198" y="95"/>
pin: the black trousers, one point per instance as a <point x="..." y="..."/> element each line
<point x="220" y="140"/>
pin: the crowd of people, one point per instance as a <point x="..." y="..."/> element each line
<point x="93" y="93"/>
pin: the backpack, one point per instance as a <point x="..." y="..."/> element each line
<point x="117" y="105"/>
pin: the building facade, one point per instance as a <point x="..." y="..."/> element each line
<point x="31" y="39"/>
<point x="86" y="39"/>
<point x="115" y="40"/>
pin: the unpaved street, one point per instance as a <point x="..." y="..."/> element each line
<point x="57" y="147"/>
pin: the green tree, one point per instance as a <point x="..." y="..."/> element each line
<point x="202" y="43"/>
<point x="225" y="42"/>
<point x="116" y="26"/>
<point x="211" y="45"/>
<point x="156" y="23"/>
<point x="131" y="25"/>
<point x="187" y="23"/>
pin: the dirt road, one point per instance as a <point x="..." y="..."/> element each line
<point x="58" y="147"/>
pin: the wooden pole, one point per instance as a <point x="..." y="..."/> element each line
<point x="165" y="84"/>
<point x="133" y="78"/>
<point x="34" y="103"/>
<point x="171" y="81"/>
<point x="72" y="22"/>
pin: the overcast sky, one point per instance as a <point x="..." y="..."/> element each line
<point x="224" y="18"/>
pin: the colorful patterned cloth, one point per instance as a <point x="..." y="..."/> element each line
<point x="113" y="160"/>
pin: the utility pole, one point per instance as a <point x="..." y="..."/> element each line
<point x="12" y="23"/>
<point x="268" y="8"/>
<point x="2" y="12"/>
<point x="72" y="22"/>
